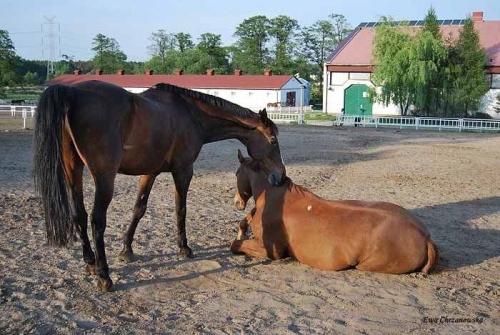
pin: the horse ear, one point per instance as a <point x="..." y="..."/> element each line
<point x="240" y="156"/>
<point x="263" y="116"/>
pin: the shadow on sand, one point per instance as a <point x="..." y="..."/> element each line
<point x="459" y="243"/>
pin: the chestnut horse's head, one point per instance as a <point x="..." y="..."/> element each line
<point x="263" y="147"/>
<point x="243" y="185"/>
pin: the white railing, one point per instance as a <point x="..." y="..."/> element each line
<point x="289" y="109"/>
<point x="421" y="123"/>
<point x="16" y="111"/>
<point x="286" y="117"/>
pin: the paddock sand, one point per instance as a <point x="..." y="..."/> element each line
<point x="449" y="180"/>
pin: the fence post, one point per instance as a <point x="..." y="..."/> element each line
<point x="417" y="121"/>
<point x="12" y="111"/>
<point x="439" y="124"/>
<point x="376" y="122"/>
<point x="400" y="122"/>
<point x="460" y="124"/>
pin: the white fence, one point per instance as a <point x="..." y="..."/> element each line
<point x="421" y="123"/>
<point x="17" y="111"/>
<point x="286" y="117"/>
<point x="289" y="109"/>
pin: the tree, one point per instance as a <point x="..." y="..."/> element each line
<point x="469" y="62"/>
<point x="8" y="60"/>
<point x="282" y="29"/>
<point x="431" y="24"/>
<point x="31" y="79"/>
<point x="108" y="56"/>
<point x="391" y="51"/>
<point x="318" y="41"/>
<point x="184" y="41"/>
<point x="161" y="44"/>
<point x="211" y="54"/>
<point x="252" y="34"/>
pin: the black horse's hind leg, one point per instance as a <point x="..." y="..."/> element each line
<point x="145" y="185"/>
<point x="182" y="179"/>
<point x="73" y="166"/>
<point x="103" y="194"/>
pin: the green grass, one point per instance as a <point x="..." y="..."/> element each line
<point x="24" y="93"/>
<point x="319" y="116"/>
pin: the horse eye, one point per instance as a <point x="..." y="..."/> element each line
<point x="272" y="140"/>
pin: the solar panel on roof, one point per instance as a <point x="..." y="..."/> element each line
<point x="456" y="22"/>
<point x="412" y="23"/>
<point x="446" y="22"/>
<point x="370" y="24"/>
<point x="440" y="22"/>
<point x="362" y="24"/>
<point x="420" y="22"/>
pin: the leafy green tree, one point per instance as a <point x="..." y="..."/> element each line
<point x="282" y="30"/>
<point x="392" y="52"/>
<point x="31" y="79"/>
<point x="64" y="66"/>
<point x="318" y="41"/>
<point x="161" y="43"/>
<point x="431" y="23"/>
<point x="252" y="34"/>
<point x="184" y="41"/>
<point x="8" y="60"/>
<point x="469" y="61"/>
<point x="108" y="56"/>
<point x="211" y="54"/>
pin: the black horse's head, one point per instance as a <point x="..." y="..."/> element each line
<point x="263" y="147"/>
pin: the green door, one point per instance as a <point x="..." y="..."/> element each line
<point x="356" y="100"/>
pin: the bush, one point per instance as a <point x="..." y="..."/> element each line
<point x="479" y="115"/>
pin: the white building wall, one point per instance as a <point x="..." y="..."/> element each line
<point x="338" y="82"/>
<point x="252" y="99"/>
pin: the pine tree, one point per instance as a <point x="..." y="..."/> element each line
<point x="470" y="83"/>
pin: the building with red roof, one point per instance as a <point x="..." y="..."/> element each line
<point x="348" y="69"/>
<point x="250" y="91"/>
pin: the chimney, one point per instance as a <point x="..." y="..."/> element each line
<point x="98" y="72"/>
<point x="210" y="72"/>
<point x="268" y="73"/>
<point x="149" y="72"/>
<point x="178" y="72"/>
<point x="77" y="72"/>
<point x="238" y="72"/>
<point x="477" y="16"/>
<point x="120" y="72"/>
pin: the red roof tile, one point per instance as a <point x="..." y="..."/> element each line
<point x="187" y="81"/>
<point x="358" y="50"/>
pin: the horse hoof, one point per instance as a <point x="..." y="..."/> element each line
<point x="90" y="269"/>
<point x="104" y="284"/>
<point x="186" y="252"/>
<point x="126" y="256"/>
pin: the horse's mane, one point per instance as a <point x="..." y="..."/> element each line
<point x="224" y="104"/>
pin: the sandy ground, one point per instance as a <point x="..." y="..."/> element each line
<point x="449" y="180"/>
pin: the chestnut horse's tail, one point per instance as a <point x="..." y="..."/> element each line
<point x="432" y="257"/>
<point x="48" y="164"/>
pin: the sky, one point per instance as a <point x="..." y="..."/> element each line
<point x="132" y="22"/>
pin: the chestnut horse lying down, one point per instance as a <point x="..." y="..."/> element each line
<point x="289" y="220"/>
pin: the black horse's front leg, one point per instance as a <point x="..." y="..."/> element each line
<point x="182" y="179"/>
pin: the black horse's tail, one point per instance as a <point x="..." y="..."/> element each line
<point x="48" y="164"/>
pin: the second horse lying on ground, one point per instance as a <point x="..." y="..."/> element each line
<point x="330" y="235"/>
